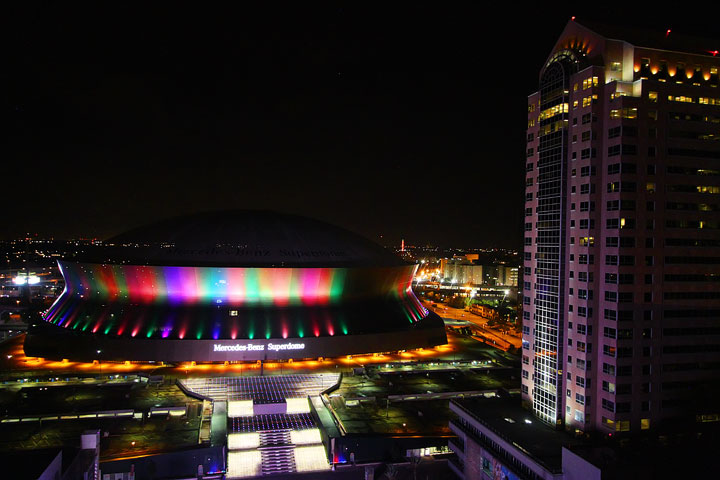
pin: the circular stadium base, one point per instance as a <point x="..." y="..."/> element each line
<point x="49" y="341"/>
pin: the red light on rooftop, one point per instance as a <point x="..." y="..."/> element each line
<point x="668" y="32"/>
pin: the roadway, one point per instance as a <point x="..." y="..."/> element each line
<point x="461" y="317"/>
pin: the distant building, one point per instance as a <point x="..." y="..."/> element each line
<point x="465" y="270"/>
<point x="622" y="214"/>
<point x="461" y="271"/>
<point x="501" y="276"/>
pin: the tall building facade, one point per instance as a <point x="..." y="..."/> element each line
<point x="621" y="322"/>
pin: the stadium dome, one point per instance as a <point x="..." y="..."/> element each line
<point x="245" y="238"/>
<point x="234" y="286"/>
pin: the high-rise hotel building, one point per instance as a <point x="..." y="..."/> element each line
<point x="621" y="327"/>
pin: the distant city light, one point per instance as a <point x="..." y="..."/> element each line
<point x="25" y="280"/>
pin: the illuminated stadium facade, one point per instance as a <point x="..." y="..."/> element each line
<point x="234" y="286"/>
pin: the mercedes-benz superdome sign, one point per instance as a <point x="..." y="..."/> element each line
<point x="256" y="347"/>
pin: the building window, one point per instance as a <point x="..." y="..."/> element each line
<point x="608" y="405"/>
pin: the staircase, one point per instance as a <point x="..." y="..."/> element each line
<point x="278" y="454"/>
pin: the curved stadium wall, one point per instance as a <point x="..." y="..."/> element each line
<point x="201" y="313"/>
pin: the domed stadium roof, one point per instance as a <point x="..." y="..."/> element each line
<point x="242" y="238"/>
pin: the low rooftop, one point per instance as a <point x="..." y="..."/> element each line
<point x="505" y="417"/>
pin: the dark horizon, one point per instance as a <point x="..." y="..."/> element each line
<point x="402" y="122"/>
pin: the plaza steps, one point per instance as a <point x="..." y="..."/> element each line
<point x="277" y="451"/>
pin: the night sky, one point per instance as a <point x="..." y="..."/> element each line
<point x="406" y="123"/>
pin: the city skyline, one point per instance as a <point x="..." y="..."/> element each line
<point x="453" y="242"/>
<point x="350" y="111"/>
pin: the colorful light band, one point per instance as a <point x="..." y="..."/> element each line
<point x="192" y="285"/>
<point x="199" y="302"/>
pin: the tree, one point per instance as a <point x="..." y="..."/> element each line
<point x="391" y="471"/>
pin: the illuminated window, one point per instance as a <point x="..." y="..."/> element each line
<point x="622" y="426"/>
<point x="587" y="101"/>
<point x="587" y="241"/>
<point x="709" y="101"/>
<point x="644" y="424"/>
<point x="708" y="417"/>
<point x="653" y="96"/>
<point x="616" y="67"/>
<point x="554" y="110"/>
<point x="708" y="189"/>
<point x="590" y="82"/>
<point x="624" y="113"/>
<point x="680" y="98"/>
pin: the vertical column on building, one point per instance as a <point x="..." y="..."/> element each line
<point x="549" y="272"/>
<point x="530" y="248"/>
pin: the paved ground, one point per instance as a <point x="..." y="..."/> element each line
<point x="117" y="435"/>
<point x="428" y="418"/>
<point x="384" y="376"/>
<point x="150" y="435"/>
<point x="423" y="383"/>
<point x="77" y="398"/>
<point x="368" y="410"/>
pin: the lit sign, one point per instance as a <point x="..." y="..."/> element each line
<point x="257" y="347"/>
<point x="285" y="346"/>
